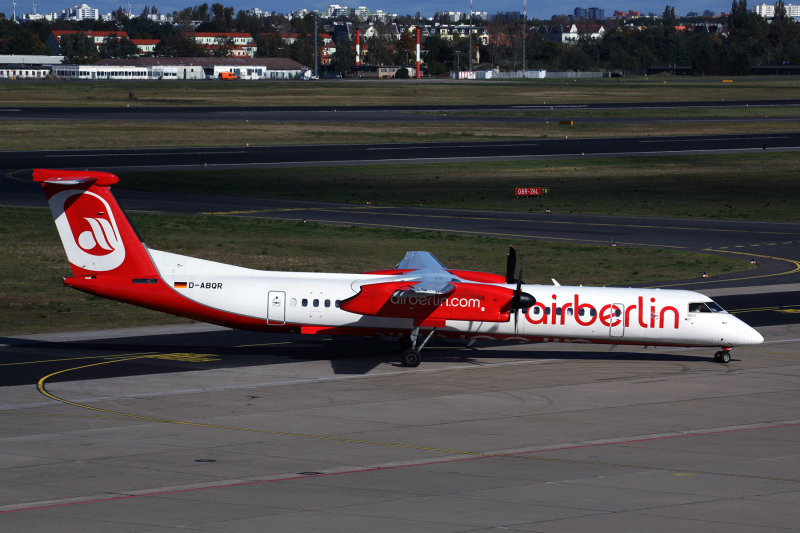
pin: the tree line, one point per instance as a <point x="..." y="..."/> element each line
<point x="630" y="46"/>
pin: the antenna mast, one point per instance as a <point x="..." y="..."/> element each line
<point x="524" y="34"/>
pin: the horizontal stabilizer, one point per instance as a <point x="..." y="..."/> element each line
<point x="73" y="177"/>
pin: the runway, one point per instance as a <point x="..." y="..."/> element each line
<point x="359" y="154"/>
<point x="403" y="113"/>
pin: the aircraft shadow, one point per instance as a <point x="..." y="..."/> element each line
<point x="28" y="361"/>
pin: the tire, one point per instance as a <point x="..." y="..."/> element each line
<point x="410" y="358"/>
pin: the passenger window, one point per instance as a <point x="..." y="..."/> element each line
<point x="569" y="312"/>
<point x="558" y="311"/>
<point x="316" y="302"/>
<point x="337" y="303"/>
<point x="327" y="303"/>
<point x="547" y="310"/>
<point x="304" y="302"/>
<point x="293" y="302"/>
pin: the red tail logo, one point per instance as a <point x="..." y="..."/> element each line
<point x="88" y="230"/>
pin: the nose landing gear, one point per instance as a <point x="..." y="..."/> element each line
<point x="723" y="356"/>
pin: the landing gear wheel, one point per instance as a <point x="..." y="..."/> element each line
<point x="722" y="356"/>
<point x="410" y="358"/>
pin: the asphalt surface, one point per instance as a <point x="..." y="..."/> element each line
<point x="137" y="111"/>
<point x="224" y="431"/>
<point x="265" y="156"/>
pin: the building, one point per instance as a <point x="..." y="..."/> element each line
<point x="99" y="72"/>
<point x="146" y="46"/>
<point x="183" y="68"/>
<point x="768" y="10"/>
<point x="81" y="12"/>
<point x="594" y="13"/>
<point x="243" y="44"/>
<point x="14" y="67"/>
<point x="335" y="10"/>
<point x="571" y="33"/>
<point x="53" y="41"/>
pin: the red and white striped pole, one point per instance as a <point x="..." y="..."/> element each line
<point x="358" y="46"/>
<point x="418" y="59"/>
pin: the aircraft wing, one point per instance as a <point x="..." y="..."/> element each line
<point x="420" y="261"/>
<point x="429" y="276"/>
<point x="420" y="287"/>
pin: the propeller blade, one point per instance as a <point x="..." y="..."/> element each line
<point x="511" y="264"/>
<point x="520" y="300"/>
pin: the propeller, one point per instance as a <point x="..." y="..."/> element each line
<point x="520" y="300"/>
<point x="511" y="264"/>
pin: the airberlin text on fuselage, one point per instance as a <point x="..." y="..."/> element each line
<point x="610" y="315"/>
<point x="434" y="300"/>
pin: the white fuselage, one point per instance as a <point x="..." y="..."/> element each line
<point x="561" y="313"/>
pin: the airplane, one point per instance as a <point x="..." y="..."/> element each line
<point x="413" y="301"/>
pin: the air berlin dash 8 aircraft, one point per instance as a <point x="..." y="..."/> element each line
<point x="413" y="301"/>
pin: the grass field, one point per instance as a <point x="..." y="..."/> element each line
<point x="33" y="265"/>
<point x="75" y="135"/>
<point x="720" y="186"/>
<point x="393" y="92"/>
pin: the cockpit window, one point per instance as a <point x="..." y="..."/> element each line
<point x="705" y="307"/>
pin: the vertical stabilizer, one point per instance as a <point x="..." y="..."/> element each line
<point x="96" y="234"/>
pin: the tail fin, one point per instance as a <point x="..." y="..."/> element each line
<point x="96" y="234"/>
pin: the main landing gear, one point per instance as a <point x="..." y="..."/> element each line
<point x="723" y="356"/>
<point x="411" y="349"/>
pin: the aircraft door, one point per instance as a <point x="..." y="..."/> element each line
<point x="616" y="320"/>
<point x="276" y="308"/>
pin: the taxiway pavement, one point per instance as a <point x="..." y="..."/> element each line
<point x="213" y="430"/>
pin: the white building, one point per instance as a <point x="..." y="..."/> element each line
<point x="768" y="10"/>
<point x="96" y="72"/>
<point x="81" y="12"/>
<point x="14" y="66"/>
<point x="182" y="68"/>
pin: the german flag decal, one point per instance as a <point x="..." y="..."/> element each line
<point x="180" y="285"/>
